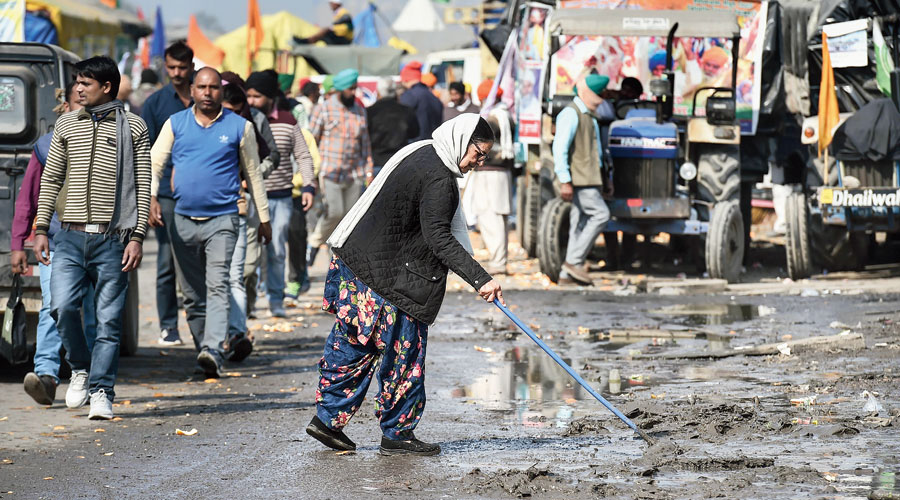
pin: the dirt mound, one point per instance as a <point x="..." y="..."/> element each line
<point x="712" y="422"/>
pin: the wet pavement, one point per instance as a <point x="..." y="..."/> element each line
<point x="510" y="421"/>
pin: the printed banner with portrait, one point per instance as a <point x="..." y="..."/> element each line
<point x="697" y="62"/>
<point x="532" y="51"/>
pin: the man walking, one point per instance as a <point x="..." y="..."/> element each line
<point x="428" y="108"/>
<point x="391" y="124"/>
<point x="262" y="94"/>
<point x="174" y="97"/>
<point x="577" y="158"/>
<point x="459" y="102"/>
<point x="339" y="127"/>
<point x="101" y="155"/>
<point x="41" y="383"/>
<point x="209" y="148"/>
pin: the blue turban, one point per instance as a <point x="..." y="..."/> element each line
<point x="658" y="58"/>
<point x="345" y="79"/>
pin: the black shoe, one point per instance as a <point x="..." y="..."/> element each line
<point x="239" y="349"/>
<point x="42" y="388"/>
<point x="210" y="362"/>
<point x="410" y="446"/>
<point x="331" y="438"/>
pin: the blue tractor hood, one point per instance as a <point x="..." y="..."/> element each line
<point x="639" y="136"/>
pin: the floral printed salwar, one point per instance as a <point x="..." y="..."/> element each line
<point x="370" y="337"/>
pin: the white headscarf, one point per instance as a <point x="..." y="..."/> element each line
<point x="450" y="141"/>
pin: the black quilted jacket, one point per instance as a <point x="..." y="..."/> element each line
<point x="402" y="247"/>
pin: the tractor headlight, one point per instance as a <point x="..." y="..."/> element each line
<point x="688" y="171"/>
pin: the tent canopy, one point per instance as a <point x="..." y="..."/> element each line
<point x="279" y="30"/>
<point x="369" y="61"/>
<point x="628" y="22"/>
<point x="76" y="20"/>
<point x="418" y="15"/>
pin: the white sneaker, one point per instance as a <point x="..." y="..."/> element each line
<point x="77" y="393"/>
<point x="101" y="406"/>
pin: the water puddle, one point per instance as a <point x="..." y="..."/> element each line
<point x="714" y="314"/>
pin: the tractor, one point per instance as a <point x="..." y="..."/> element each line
<point x="671" y="173"/>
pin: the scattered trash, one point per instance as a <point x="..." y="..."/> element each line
<point x="211" y="381"/>
<point x="784" y="349"/>
<point x="98" y="429"/>
<point x="108" y="454"/>
<point x="804" y="421"/>
<point x="233" y="374"/>
<point x="483" y="349"/>
<point x="839" y="325"/>
<point x="179" y="432"/>
<point x="615" y="381"/>
<point x="282" y="327"/>
<point x="163" y="353"/>
<point x="809" y="292"/>
<point x="48" y="478"/>
<point x="872" y="405"/>
<point x="346" y="452"/>
<point x="583" y="330"/>
<point x="807" y="401"/>
<point x="3" y="419"/>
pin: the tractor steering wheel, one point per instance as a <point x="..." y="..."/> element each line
<point x="623" y="107"/>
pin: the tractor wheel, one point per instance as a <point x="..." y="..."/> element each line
<point x="553" y="237"/>
<point x="797" y="237"/>
<point x="725" y="242"/>
<point x="130" y="324"/>
<point x="719" y="174"/>
<point x="529" y="212"/>
<point x="831" y="246"/>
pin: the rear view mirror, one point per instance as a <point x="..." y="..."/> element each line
<point x="659" y="87"/>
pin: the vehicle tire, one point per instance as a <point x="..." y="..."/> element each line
<point x="553" y="237"/>
<point x="725" y="242"/>
<point x="719" y="174"/>
<point x="130" y="327"/>
<point x="830" y="246"/>
<point x="797" y="237"/>
<point x="529" y="213"/>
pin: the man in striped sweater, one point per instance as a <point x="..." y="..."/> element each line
<point x="97" y="179"/>
<point x="263" y="94"/>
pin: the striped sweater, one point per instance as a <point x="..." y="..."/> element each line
<point x="79" y="179"/>
<point x="290" y="142"/>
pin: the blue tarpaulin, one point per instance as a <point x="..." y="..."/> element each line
<point x="40" y="29"/>
<point x="364" y="25"/>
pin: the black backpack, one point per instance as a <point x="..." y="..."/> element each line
<point x="13" y="342"/>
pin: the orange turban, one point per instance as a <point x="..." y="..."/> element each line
<point x="484" y="89"/>
<point x="716" y="55"/>
<point x="429" y="80"/>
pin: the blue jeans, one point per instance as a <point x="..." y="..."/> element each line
<point x="237" y="315"/>
<point x="82" y="260"/>
<point x="280" y="214"/>
<point x="46" y="355"/>
<point x="203" y="252"/>
<point x="166" y="294"/>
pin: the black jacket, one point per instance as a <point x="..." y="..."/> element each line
<point x="391" y="126"/>
<point x="402" y="247"/>
<point x="429" y="109"/>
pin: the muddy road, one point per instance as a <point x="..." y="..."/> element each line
<point x="683" y="360"/>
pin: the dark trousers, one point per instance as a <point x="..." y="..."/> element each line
<point x="166" y="293"/>
<point x="297" y="243"/>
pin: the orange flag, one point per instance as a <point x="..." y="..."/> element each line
<point x="254" y="31"/>
<point x="829" y="116"/>
<point x="204" y="49"/>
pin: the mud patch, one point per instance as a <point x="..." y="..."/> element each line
<point x="705" y="422"/>
<point x="534" y="481"/>
<point x="586" y="425"/>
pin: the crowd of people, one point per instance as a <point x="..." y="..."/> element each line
<point x="242" y="185"/>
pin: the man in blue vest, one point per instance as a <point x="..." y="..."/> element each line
<point x="211" y="149"/>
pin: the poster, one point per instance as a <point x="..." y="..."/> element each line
<point x="848" y="43"/>
<point x="12" y="21"/>
<point x="531" y="60"/>
<point x="697" y="62"/>
<point x="528" y="101"/>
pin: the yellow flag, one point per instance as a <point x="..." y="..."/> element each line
<point x="828" y="104"/>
